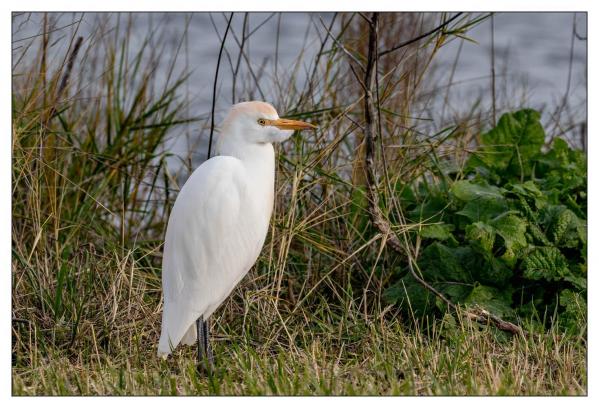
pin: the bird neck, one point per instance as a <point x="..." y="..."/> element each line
<point x="259" y="163"/>
<point x="232" y="143"/>
<point x="251" y="154"/>
<point x="258" y="159"/>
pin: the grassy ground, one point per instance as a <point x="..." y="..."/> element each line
<point x="336" y="358"/>
<point x="91" y="195"/>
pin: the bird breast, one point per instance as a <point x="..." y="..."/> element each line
<point x="216" y="231"/>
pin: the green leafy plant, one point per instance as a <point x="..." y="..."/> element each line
<point x="508" y="235"/>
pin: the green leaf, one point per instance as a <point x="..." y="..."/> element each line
<point x="562" y="175"/>
<point x="513" y="231"/>
<point x="573" y="318"/>
<point x="441" y="232"/>
<point x="564" y="228"/>
<point x="484" y="267"/>
<point x="405" y="193"/>
<point x="561" y="157"/>
<point x="482" y="235"/>
<point x="537" y="236"/>
<point x="410" y="296"/>
<point x="430" y="210"/>
<point x="468" y="191"/>
<point x="497" y="273"/>
<point x="456" y="291"/>
<point x="491" y="299"/>
<point x="561" y="149"/>
<point x="484" y="210"/>
<point x="521" y="129"/>
<point x="579" y="282"/>
<point x="528" y="189"/>
<point x="440" y="263"/>
<point x="546" y="263"/>
<point x="560" y="221"/>
<point x="512" y="144"/>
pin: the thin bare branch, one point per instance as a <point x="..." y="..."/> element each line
<point x="220" y="53"/>
<point x="420" y="37"/>
<point x="341" y="46"/>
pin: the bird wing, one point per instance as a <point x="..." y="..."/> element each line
<point x="210" y="245"/>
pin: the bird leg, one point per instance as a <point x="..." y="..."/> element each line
<point x="205" y="357"/>
<point x="200" y="340"/>
<point x="207" y="347"/>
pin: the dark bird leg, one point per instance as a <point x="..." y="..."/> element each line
<point x="200" y="339"/>
<point x="207" y="347"/>
<point x="205" y="357"/>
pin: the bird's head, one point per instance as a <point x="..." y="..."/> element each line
<point x="259" y="122"/>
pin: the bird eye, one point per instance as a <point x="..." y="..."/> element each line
<point x="261" y="122"/>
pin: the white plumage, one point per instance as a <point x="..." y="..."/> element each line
<point x="220" y="219"/>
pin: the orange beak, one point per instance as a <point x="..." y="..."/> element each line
<point x="288" y="124"/>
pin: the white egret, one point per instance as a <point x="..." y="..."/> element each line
<point x="219" y="223"/>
